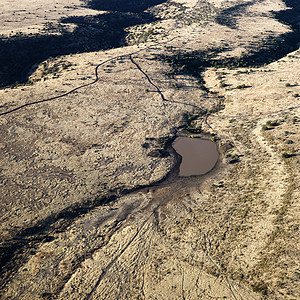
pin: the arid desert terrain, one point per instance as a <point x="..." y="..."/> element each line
<point x="93" y="94"/>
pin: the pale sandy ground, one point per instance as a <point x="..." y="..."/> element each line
<point x="231" y="234"/>
<point x="23" y="16"/>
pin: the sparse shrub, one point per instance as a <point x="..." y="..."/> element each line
<point x="285" y="155"/>
<point x="163" y="142"/>
<point x="145" y="145"/>
<point x="233" y="159"/>
<point x="194" y="129"/>
<point x="272" y="123"/>
<point x="215" y="139"/>
<point x="241" y="86"/>
<point x="176" y="86"/>
<point x="159" y="153"/>
<point x="260" y="287"/>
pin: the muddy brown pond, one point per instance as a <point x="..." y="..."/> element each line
<point x="199" y="156"/>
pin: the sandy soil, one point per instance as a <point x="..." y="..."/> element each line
<point x="27" y="17"/>
<point x="87" y="213"/>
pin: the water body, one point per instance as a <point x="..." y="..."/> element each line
<point x="199" y="156"/>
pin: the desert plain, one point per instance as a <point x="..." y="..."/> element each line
<point x="93" y="94"/>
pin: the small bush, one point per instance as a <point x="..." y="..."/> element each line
<point x="241" y="86"/>
<point x="260" y="288"/>
<point x="285" y="155"/>
<point x="163" y="142"/>
<point x="145" y="145"/>
<point x="234" y="159"/>
<point x="176" y="86"/>
<point x="272" y="123"/>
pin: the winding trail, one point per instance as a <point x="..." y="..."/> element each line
<point x="87" y="84"/>
<point x="148" y="78"/>
<point x="158" y="89"/>
<point x="97" y="78"/>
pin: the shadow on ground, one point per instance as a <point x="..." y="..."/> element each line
<point x="228" y="17"/>
<point x="134" y="6"/>
<point x="93" y="33"/>
<point x="272" y="48"/>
